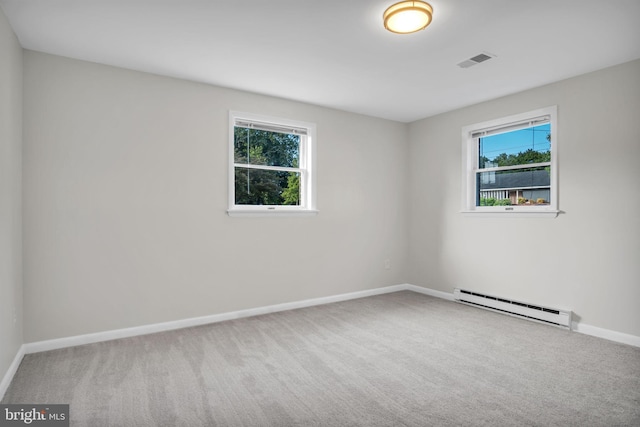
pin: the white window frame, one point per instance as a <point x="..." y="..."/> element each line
<point x="307" y="168"/>
<point x="470" y="166"/>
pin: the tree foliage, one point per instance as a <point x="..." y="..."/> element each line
<point x="291" y="194"/>
<point x="522" y="158"/>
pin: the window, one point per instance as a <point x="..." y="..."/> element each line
<point x="510" y="165"/>
<point x="271" y="166"/>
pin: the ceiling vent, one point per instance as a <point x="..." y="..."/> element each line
<point x="476" y="60"/>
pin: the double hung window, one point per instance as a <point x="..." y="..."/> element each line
<point x="271" y="166"/>
<point x="510" y="164"/>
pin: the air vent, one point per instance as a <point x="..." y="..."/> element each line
<point x="481" y="57"/>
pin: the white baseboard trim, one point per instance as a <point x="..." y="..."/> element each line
<point x="606" y="334"/>
<point x="13" y="368"/>
<point x="54" y="344"/>
<point x="35" y="347"/>
<point x="430" y="292"/>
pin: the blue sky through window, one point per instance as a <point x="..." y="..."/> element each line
<point x="514" y="142"/>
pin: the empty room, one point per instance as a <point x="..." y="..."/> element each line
<point x="319" y="213"/>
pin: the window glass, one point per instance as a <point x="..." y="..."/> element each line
<point x="530" y="186"/>
<point x="266" y="187"/>
<point x="516" y="185"/>
<point x="257" y="186"/>
<point x="519" y="147"/>
<point x="260" y="147"/>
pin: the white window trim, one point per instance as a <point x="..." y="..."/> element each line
<point x="307" y="205"/>
<point x="470" y="164"/>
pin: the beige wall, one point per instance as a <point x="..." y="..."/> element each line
<point x="125" y="197"/>
<point x="125" y="191"/>
<point x="10" y="195"/>
<point x="587" y="259"/>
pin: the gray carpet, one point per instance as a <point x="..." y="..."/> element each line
<point x="401" y="359"/>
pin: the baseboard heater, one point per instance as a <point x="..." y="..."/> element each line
<point x="537" y="313"/>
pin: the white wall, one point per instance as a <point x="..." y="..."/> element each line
<point x="125" y="197"/>
<point x="587" y="259"/>
<point x="10" y="195"/>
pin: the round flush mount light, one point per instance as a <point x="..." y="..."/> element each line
<point x="407" y="17"/>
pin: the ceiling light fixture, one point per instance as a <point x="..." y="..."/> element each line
<point x="407" y="17"/>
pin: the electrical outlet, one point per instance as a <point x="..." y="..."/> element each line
<point x="387" y="264"/>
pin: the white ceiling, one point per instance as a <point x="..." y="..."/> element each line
<point x="337" y="53"/>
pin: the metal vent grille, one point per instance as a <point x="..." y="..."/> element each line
<point x="481" y="57"/>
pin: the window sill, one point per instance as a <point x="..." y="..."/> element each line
<point x="258" y="213"/>
<point x="512" y="214"/>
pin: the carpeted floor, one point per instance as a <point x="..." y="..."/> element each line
<point x="400" y="359"/>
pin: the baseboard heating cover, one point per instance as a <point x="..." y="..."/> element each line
<point x="547" y="315"/>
